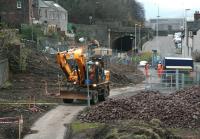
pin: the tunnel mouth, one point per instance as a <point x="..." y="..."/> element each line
<point x="123" y="44"/>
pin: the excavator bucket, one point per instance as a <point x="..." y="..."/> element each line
<point x="65" y="94"/>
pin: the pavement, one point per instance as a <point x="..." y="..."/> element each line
<point x="52" y="124"/>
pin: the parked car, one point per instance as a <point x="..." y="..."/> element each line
<point x="177" y="39"/>
<point x="179" y="45"/>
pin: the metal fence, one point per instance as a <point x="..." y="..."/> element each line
<point x="120" y="57"/>
<point x="172" y="79"/>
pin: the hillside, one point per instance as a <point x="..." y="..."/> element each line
<point x="126" y="11"/>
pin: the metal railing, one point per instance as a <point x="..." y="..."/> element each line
<point x="172" y="79"/>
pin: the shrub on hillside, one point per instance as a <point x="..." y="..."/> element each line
<point x="144" y="56"/>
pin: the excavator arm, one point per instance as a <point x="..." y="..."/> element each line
<point x="74" y="72"/>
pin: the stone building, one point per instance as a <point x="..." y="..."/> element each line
<point x="193" y="31"/>
<point x="52" y="13"/>
<point x="16" y="12"/>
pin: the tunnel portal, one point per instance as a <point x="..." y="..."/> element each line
<point x="123" y="44"/>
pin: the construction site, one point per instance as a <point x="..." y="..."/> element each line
<point x="124" y="102"/>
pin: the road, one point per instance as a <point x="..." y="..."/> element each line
<point x="52" y="124"/>
<point x="163" y="44"/>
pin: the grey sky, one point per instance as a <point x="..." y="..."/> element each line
<point x="170" y="8"/>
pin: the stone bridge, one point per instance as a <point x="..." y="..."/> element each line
<point x="121" y="38"/>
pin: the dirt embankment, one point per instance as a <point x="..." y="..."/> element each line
<point x="124" y="75"/>
<point x="28" y="87"/>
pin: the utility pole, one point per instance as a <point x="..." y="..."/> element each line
<point x="135" y="37"/>
<point x="186" y="50"/>
<point x="87" y="74"/>
<point x="109" y="30"/>
<point x="139" y="42"/>
<point x="157" y="31"/>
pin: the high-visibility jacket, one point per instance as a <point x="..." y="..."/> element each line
<point x="159" y="66"/>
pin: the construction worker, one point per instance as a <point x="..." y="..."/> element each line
<point x="92" y="73"/>
<point x="146" y="68"/>
<point x="159" y="69"/>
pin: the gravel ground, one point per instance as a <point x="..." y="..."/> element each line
<point x="177" y="110"/>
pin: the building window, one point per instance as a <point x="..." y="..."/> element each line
<point x="19" y="4"/>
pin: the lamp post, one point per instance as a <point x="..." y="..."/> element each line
<point x="88" y="87"/>
<point x="87" y="66"/>
<point x="157" y="22"/>
<point x="186" y="50"/>
<point x="87" y="69"/>
<point x="157" y="29"/>
<point x="109" y="30"/>
<point x="135" y="37"/>
<point x="139" y="43"/>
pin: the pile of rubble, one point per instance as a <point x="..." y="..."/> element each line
<point x="180" y="109"/>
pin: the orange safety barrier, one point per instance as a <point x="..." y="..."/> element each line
<point x="16" y="120"/>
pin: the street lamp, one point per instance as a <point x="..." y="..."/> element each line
<point x="157" y="22"/>
<point x="87" y="69"/>
<point x="109" y="30"/>
<point x="186" y="35"/>
<point x="139" y="43"/>
<point x="157" y="28"/>
<point x="135" y="38"/>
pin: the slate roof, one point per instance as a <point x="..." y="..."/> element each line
<point x="54" y="5"/>
<point x="42" y="4"/>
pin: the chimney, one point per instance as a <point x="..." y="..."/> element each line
<point x="196" y="16"/>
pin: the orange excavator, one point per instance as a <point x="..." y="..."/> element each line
<point x="83" y="74"/>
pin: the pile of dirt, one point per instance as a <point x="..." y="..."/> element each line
<point x="42" y="64"/>
<point x="37" y="84"/>
<point x="45" y="65"/>
<point x="180" y="109"/>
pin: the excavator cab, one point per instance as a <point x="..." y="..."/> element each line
<point x="96" y="71"/>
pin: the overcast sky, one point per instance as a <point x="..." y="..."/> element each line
<point x="169" y="8"/>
